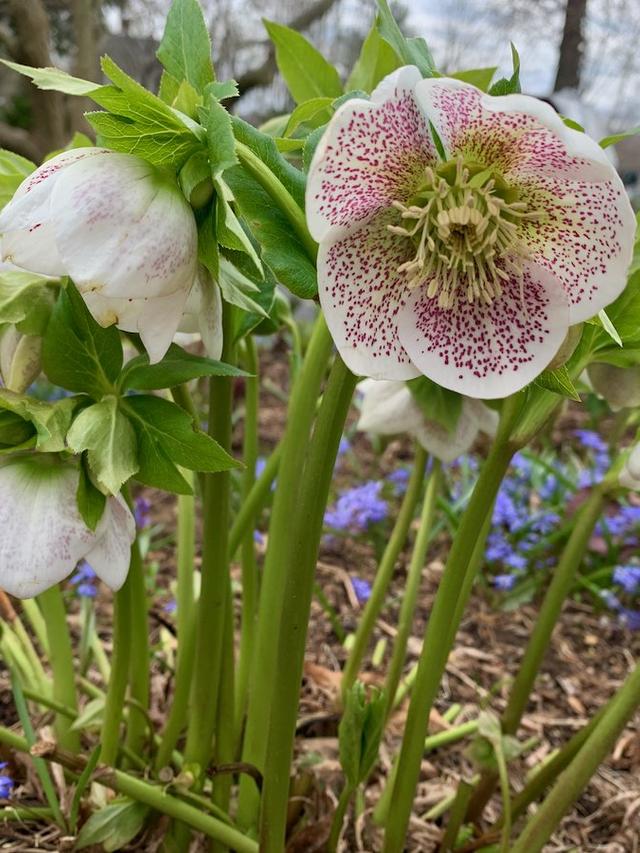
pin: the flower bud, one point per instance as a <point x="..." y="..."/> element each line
<point x="20" y="359"/>
<point x="620" y="386"/>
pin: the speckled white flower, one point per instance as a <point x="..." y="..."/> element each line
<point x="471" y="268"/>
<point x="119" y="228"/>
<point x="43" y="534"/>
<point x="388" y="408"/>
<point x="202" y="316"/>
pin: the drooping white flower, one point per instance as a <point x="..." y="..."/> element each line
<point x="43" y="534"/>
<point x="202" y="315"/>
<point x="620" y="386"/>
<point x="470" y="268"/>
<point x="388" y="408"/>
<point x="119" y="228"/>
<point x="20" y="358"/>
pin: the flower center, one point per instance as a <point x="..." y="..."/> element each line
<point x="463" y="220"/>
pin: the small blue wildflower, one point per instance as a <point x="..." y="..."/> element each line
<point x="399" y="479"/>
<point x="591" y="440"/>
<point x="497" y="547"/>
<point x="142" y="512"/>
<point x="504" y="582"/>
<point x="258" y="537"/>
<point x="344" y="446"/>
<point x="362" y="589"/>
<point x="516" y="561"/>
<point x="610" y="599"/>
<point x="171" y="606"/>
<point x="548" y="489"/>
<point x="522" y="464"/>
<point x="628" y="577"/>
<point x="358" y="508"/>
<point x="85" y="580"/>
<point x="630" y="618"/>
<point x="6" y="783"/>
<point x="260" y="465"/>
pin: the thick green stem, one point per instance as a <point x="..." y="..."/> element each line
<point x="305" y="529"/>
<point x="302" y="408"/>
<point x="574" y="779"/>
<point x="61" y="658"/>
<point x="215" y="587"/>
<point x="385" y="570"/>
<point x="249" y="565"/>
<point x="186" y="628"/>
<point x="34" y="615"/>
<point x="561" y="583"/>
<point x="224" y="744"/>
<point x="143" y="792"/>
<point x="443" y="623"/>
<point x="117" y="687"/>
<point x="412" y="586"/>
<point x="139" y="685"/>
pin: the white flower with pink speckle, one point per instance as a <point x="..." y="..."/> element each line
<point x="467" y="268"/>
<point x="119" y="228"/>
<point x="44" y="536"/>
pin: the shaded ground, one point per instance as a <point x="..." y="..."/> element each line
<point x="589" y="658"/>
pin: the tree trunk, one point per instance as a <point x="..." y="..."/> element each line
<point x="32" y="40"/>
<point x="86" y="60"/>
<point x="571" y="46"/>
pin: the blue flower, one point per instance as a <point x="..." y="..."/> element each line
<point x="628" y="577"/>
<point x="85" y="580"/>
<point x="358" y="508"/>
<point x="362" y="589"/>
<point x="142" y="512"/>
<point x="504" y="582"/>
<point x="258" y="537"/>
<point x="260" y="465"/>
<point x="171" y="606"/>
<point x="399" y="479"/>
<point x="630" y="619"/>
<point x="591" y="440"/>
<point x="611" y="600"/>
<point x="6" y="783"/>
<point x="344" y="446"/>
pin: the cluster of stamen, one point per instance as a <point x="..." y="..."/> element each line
<point x="467" y="234"/>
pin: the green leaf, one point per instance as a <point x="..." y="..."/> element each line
<point x="360" y="732"/>
<point x="195" y="174"/>
<point x="50" y="420"/>
<point x="558" y="381"/>
<point x="15" y="432"/>
<point x="479" y="77"/>
<point x="81" y="786"/>
<point x="310" y="145"/>
<point x="438" y="404"/>
<point x="175" y="368"/>
<point x="237" y="289"/>
<point x="221" y="144"/>
<point x="164" y="429"/>
<point x="13" y="170"/>
<point x="208" y="253"/>
<point x="315" y="112"/>
<point x="281" y="250"/>
<point x="114" y="826"/>
<point x="304" y="69"/>
<point x="54" y="79"/>
<point x="377" y="59"/>
<point x="185" y="49"/>
<point x="618" y="137"/>
<point x="26" y="300"/>
<point x="77" y="353"/>
<point x="509" y="85"/>
<point x="412" y="51"/>
<point x="229" y="231"/>
<point x="138" y="122"/>
<point x="90" y="716"/>
<point x="110" y="441"/>
<point x="91" y="502"/>
<point x="624" y="313"/>
<point x="608" y="326"/>
<point x="222" y="89"/>
<point x="266" y="149"/>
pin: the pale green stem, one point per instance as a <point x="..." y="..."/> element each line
<point x="139" y="654"/>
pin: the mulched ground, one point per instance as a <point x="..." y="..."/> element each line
<point x="589" y="658"/>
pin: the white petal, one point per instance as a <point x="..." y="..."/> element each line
<point x="620" y="386"/>
<point x="628" y="481"/>
<point x="633" y="462"/>
<point x="446" y="444"/>
<point x="34" y="250"/>
<point x="111" y="554"/>
<point x="487" y="419"/>
<point x="43" y="534"/>
<point x="372" y="153"/>
<point x="387" y="408"/>
<point x="203" y="314"/>
<point x="487" y="351"/>
<point x="362" y="293"/>
<point x="123" y="229"/>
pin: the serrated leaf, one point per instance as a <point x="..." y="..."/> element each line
<point x="304" y="69"/>
<point x="437" y="404"/>
<point x="221" y="145"/>
<point x="50" y="420"/>
<point x="315" y="112"/>
<point x="185" y="49"/>
<point x="237" y="289"/>
<point x="54" y="79"/>
<point x="559" y="381"/>
<point x="222" y="89"/>
<point x="175" y="368"/>
<point x="110" y="442"/>
<point x="161" y="425"/>
<point x="229" y="231"/>
<point x="411" y="51"/>
<point x="479" y="77"/>
<point x="509" y="85"/>
<point x="377" y="59"/>
<point x="77" y="353"/>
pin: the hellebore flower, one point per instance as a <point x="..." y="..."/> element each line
<point x="202" y="315"/>
<point x="43" y="534"/>
<point x="389" y="407"/>
<point x="620" y="386"/>
<point x="20" y="358"/>
<point x="468" y="269"/>
<point x="119" y="228"/>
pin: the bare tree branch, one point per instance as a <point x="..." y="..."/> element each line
<point x="571" y="46"/>
<point x="18" y="140"/>
<point x="263" y="74"/>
